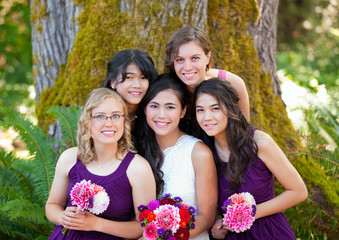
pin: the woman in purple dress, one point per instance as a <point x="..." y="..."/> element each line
<point x="247" y="161"/>
<point x="105" y="156"/>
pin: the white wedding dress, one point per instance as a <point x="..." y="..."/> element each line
<point x="179" y="175"/>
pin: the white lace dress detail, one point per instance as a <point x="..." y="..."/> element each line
<point x="179" y="176"/>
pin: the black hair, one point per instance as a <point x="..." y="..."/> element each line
<point x="238" y="131"/>
<point x="144" y="136"/>
<point x="120" y="61"/>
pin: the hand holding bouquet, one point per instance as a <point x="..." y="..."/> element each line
<point x="240" y="210"/>
<point x="89" y="196"/>
<point x="166" y="218"/>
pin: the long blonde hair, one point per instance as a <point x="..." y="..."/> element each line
<point x="86" y="151"/>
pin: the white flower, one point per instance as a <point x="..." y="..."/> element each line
<point x="100" y="203"/>
<point x="249" y="199"/>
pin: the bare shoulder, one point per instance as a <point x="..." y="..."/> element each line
<point x="138" y="165"/>
<point x="263" y="140"/>
<point x="201" y="152"/>
<point x="235" y="80"/>
<point x="69" y="156"/>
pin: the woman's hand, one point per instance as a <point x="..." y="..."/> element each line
<point x="218" y="231"/>
<point x="72" y="217"/>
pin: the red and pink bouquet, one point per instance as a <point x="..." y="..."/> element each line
<point x="166" y="218"/>
<point x="240" y="210"/>
<point x="89" y="196"/>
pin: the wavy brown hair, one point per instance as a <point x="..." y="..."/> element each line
<point x="185" y="35"/>
<point x="86" y="152"/>
<point x="238" y="131"/>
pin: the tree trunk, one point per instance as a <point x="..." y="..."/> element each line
<point x="73" y="42"/>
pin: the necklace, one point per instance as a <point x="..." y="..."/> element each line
<point x="104" y="165"/>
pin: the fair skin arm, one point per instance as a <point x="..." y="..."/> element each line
<point x="276" y="161"/>
<point x="143" y="190"/>
<point x="240" y="88"/>
<point x="206" y="187"/>
<point x="57" y="200"/>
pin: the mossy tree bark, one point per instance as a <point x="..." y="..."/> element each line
<point x="73" y="40"/>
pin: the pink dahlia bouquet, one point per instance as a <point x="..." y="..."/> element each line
<point x="166" y="218"/>
<point x="240" y="210"/>
<point x="89" y="196"/>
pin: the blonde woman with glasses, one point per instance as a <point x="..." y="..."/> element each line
<point x="105" y="156"/>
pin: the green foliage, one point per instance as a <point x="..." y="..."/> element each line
<point x="15" y="55"/>
<point x="309" y="45"/>
<point x="38" y="146"/>
<point x="25" y="183"/>
<point x="68" y="123"/>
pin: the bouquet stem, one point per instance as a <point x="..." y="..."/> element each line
<point x="65" y="231"/>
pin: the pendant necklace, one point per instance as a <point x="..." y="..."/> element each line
<point x="104" y="165"/>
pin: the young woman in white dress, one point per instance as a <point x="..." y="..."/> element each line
<point x="183" y="165"/>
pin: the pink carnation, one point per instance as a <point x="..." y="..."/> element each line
<point x="237" y="199"/>
<point x="167" y="217"/>
<point x="150" y="232"/>
<point x="80" y="194"/>
<point x="238" y="217"/>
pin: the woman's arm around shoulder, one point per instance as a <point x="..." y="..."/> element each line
<point x="206" y="184"/>
<point x="57" y="200"/>
<point x="240" y="87"/>
<point x="276" y="161"/>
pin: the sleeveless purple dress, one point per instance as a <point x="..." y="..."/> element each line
<point x="118" y="189"/>
<point x="259" y="181"/>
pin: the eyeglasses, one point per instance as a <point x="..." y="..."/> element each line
<point x="102" y="118"/>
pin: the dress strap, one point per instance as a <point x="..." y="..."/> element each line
<point x="222" y="74"/>
<point x="126" y="161"/>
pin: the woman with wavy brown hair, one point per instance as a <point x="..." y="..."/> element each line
<point x="247" y="160"/>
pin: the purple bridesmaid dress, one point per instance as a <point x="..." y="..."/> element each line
<point x="118" y="189"/>
<point x="259" y="181"/>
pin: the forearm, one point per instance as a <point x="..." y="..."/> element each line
<point x="130" y="229"/>
<point x="285" y="200"/>
<point x="54" y="213"/>
<point x="201" y="223"/>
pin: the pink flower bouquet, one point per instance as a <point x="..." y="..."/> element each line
<point x="166" y="218"/>
<point x="240" y="210"/>
<point x="89" y="196"/>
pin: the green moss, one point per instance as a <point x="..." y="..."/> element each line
<point x="104" y="31"/>
<point x="314" y="174"/>
<point x="234" y="51"/>
<point x="318" y="215"/>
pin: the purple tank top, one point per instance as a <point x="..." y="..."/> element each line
<point x="259" y="181"/>
<point x="119" y="190"/>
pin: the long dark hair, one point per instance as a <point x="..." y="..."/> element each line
<point x="145" y="140"/>
<point x="120" y="61"/>
<point x="238" y="131"/>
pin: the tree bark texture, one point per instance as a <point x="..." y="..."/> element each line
<point x="72" y="43"/>
<point x="54" y="30"/>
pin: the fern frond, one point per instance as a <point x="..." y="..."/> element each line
<point x="14" y="178"/>
<point x="25" y="209"/>
<point x="39" y="147"/>
<point x="68" y="120"/>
